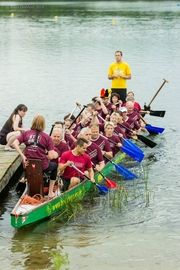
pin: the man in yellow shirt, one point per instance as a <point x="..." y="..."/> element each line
<point x="119" y="72"/>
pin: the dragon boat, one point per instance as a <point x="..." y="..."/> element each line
<point x="25" y="214"/>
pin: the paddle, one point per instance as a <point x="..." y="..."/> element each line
<point x="109" y="183"/>
<point x="143" y="139"/>
<point x="157" y="113"/>
<point x="51" y="130"/>
<point x="73" y="111"/>
<point x="122" y="170"/>
<point x="101" y="188"/>
<point x="129" y="144"/>
<point x="157" y="92"/>
<point x="154" y="129"/>
<point x="84" y="106"/>
<point x="132" y="153"/>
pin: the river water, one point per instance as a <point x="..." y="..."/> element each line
<point x="49" y="63"/>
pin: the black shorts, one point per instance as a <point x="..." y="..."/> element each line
<point x="66" y="182"/>
<point x="3" y="140"/>
<point x="120" y="91"/>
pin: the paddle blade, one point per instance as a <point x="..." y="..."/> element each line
<point x="132" y="153"/>
<point x="124" y="172"/>
<point x="110" y="183"/>
<point x="154" y="129"/>
<point x="132" y="145"/>
<point x="101" y="188"/>
<point x="146" y="141"/>
<point x="158" y="113"/>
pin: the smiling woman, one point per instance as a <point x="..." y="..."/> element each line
<point x="13" y="127"/>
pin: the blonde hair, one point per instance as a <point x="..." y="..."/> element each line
<point x="108" y="124"/>
<point x="115" y="114"/>
<point x="38" y="123"/>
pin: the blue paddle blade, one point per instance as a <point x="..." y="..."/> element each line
<point x="130" y="144"/>
<point x="133" y="153"/>
<point x="124" y="172"/>
<point x="102" y="188"/>
<point x="154" y="129"/>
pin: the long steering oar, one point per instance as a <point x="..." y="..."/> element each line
<point x="122" y="170"/>
<point x="101" y="188"/>
<point x="157" y="92"/>
<point x="132" y="153"/>
<point x="143" y="139"/>
<point x="109" y="183"/>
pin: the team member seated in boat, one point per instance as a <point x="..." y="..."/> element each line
<point x="70" y="176"/>
<point x="100" y="107"/>
<point x="114" y="118"/>
<point x="108" y="133"/>
<point x="59" y="146"/>
<point x="100" y="141"/>
<point x="105" y="96"/>
<point x="13" y="127"/>
<point x="134" y="114"/>
<point x="116" y="102"/>
<point x="137" y="107"/>
<point x="93" y="150"/>
<point x="131" y="97"/>
<point x="134" y="125"/>
<point x="65" y="137"/>
<point x="39" y="145"/>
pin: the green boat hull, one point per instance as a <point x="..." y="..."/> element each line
<point x="54" y="206"/>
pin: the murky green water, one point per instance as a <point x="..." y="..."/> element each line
<point x="49" y="63"/>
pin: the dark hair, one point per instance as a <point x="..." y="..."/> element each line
<point x="118" y="52"/>
<point x="81" y="142"/>
<point x="114" y="95"/>
<point x="20" y="107"/>
<point x="67" y="116"/>
<point x="94" y="99"/>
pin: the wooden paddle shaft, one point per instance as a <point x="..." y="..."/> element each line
<point x="157" y="92"/>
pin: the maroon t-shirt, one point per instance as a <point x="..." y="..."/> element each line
<point x="115" y="149"/>
<point x="103" y="144"/>
<point x="133" y="123"/>
<point x="95" y="154"/>
<point x="34" y="151"/>
<point x="135" y="115"/>
<point x="60" y="149"/>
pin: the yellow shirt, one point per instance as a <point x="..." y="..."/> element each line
<point x="122" y="68"/>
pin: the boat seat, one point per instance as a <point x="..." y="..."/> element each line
<point x="34" y="176"/>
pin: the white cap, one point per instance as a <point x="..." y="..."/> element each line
<point x="123" y="109"/>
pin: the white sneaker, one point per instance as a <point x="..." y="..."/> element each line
<point x="10" y="149"/>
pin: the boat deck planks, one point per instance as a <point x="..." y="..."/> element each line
<point x="9" y="163"/>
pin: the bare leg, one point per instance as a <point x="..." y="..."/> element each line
<point x="51" y="185"/>
<point x="74" y="181"/>
<point x="11" y="137"/>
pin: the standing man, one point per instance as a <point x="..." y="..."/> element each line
<point x="119" y="72"/>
